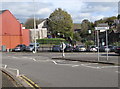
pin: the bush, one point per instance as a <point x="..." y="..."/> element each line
<point x="116" y="43"/>
<point x="55" y="41"/>
<point x="88" y="43"/>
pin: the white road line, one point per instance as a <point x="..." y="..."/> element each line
<point x="25" y="57"/>
<point x="54" y="62"/>
<point x="34" y="59"/>
<point x="75" y="65"/>
<point x="117" y="71"/>
<point x="64" y="64"/>
<point x="109" y="66"/>
<point x="15" y="57"/>
<point x="90" y="66"/>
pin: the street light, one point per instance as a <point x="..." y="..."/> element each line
<point x="34" y="27"/>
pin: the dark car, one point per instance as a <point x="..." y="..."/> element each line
<point x="109" y="49"/>
<point x="117" y="50"/>
<point x="20" y="47"/>
<point x="80" y="48"/>
<point x="69" y="48"/>
<point x="56" y="48"/>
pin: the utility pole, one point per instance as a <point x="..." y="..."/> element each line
<point x="34" y="27"/>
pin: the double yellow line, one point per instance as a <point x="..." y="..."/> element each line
<point x="30" y="82"/>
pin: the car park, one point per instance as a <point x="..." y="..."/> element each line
<point x="31" y="47"/>
<point x="80" y="48"/>
<point x="117" y="50"/>
<point x="20" y="47"/>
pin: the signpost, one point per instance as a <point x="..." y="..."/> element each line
<point x="102" y="27"/>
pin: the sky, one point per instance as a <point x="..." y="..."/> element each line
<point x="78" y="9"/>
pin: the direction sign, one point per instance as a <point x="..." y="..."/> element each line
<point x="101" y="28"/>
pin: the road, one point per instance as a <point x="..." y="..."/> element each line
<point x="46" y="72"/>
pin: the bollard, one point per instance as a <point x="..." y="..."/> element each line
<point x="8" y="50"/>
<point x="5" y="67"/>
<point x="18" y="73"/>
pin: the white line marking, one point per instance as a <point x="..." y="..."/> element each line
<point x="54" y="62"/>
<point x="117" y="71"/>
<point x="90" y="66"/>
<point x="75" y="65"/>
<point x="109" y="66"/>
<point x="34" y="59"/>
<point x="15" y="57"/>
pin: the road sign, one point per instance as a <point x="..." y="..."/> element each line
<point x="101" y="28"/>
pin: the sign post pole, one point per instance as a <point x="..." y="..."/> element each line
<point x="107" y="44"/>
<point x="102" y="27"/>
<point x="98" y="44"/>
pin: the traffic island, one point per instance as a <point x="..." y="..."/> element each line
<point x="89" y="61"/>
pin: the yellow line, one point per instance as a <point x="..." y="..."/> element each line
<point x="27" y="82"/>
<point x="31" y="81"/>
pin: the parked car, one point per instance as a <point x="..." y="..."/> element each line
<point x="20" y="47"/>
<point x="92" y="48"/>
<point x="56" y="48"/>
<point x="69" y="48"/>
<point x="117" y="50"/>
<point x="31" y="47"/>
<point x="80" y="48"/>
<point x="109" y="49"/>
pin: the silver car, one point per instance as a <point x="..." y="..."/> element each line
<point x="31" y="47"/>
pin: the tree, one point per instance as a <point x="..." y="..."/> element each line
<point x="60" y="22"/>
<point x="85" y="26"/>
<point x="29" y="24"/>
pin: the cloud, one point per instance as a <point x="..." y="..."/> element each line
<point x="44" y="11"/>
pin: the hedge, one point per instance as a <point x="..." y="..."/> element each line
<point x="51" y="41"/>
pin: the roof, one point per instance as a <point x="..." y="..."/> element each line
<point x="1" y="11"/>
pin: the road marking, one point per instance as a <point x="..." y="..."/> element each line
<point x="64" y="64"/>
<point x="30" y="82"/>
<point x="75" y="65"/>
<point x="109" y="66"/>
<point x="90" y="66"/>
<point x="34" y="59"/>
<point x="15" y="57"/>
<point x="117" y="71"/>
<point x="54" y="62"/>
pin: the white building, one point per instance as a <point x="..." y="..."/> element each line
<point x="41" y="31"/>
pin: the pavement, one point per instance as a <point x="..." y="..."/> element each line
<point x="7" y="81"/>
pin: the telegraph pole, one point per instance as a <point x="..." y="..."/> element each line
<point x="34" y="27"/>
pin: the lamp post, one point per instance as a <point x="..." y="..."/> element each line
<point x="34" y="27"/>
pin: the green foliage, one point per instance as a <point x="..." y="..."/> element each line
<point x="29" y="24"/>
<point x="116" y="43"/>
<point x="89" y="42"/>
<point x="50" y="40"/>
<point x="85" y="26"/>
<point x="60" y="22"/>
<point x="76" y="37"/>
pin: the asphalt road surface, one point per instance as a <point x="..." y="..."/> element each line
<point x="47" y="72"/>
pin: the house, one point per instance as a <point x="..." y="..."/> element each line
<point x="11" y="32"/>
<point x="41" y="31"/>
